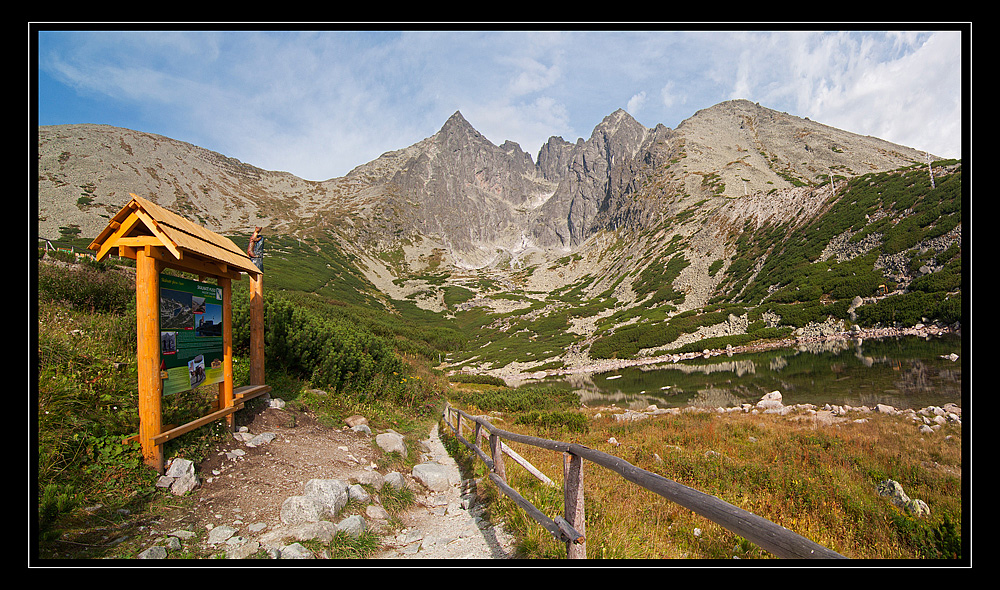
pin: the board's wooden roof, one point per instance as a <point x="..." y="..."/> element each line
<point x="142" y="222"/>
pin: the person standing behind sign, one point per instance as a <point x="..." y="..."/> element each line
<point x="255" y="250"/>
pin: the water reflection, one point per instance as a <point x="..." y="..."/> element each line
<point x="901" y="372"/>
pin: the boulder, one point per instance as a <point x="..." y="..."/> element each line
<point x="332" y="493"/>
<point x="770" y="402"/>
<point x="433" y="475"/>
<point x="301" y="509"/>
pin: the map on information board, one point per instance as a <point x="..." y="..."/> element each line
<point x="191" y="348"/>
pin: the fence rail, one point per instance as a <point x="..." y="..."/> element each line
<point x="570" y="529"/>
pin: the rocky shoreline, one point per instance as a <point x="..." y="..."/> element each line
<point x="514" y="377"/>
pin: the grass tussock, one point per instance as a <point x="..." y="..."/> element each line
<point x="816" y="480"/>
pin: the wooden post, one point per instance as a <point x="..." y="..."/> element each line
<point x="147" y="310"/>
<point x="496" y="450"/>
<point x="257" y="329"/>
<point x="573" y="501"/>
<point x="226" y="385"/>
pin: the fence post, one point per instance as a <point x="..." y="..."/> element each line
<point x="496" y="451"/>
<point x="573" y="501"/>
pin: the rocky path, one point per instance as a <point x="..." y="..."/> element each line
<point x="447" y="523"/>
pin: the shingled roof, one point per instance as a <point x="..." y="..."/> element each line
<point x="142" y="222"/>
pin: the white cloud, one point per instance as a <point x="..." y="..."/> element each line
<point x="635" y="103"/>
<point x="320" y="103"/>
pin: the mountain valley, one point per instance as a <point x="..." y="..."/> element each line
<point x="741" y="224"/>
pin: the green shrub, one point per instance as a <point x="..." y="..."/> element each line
<point x="86" y="288"/>
<point x="482" y="379"/>
<point x="571" y="421"/>
<point x="522" y="399"/>
<point x="910" y="308"/>
<point x="329" y="352"/>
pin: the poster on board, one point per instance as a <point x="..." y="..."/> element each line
<point x="191" y="348"/>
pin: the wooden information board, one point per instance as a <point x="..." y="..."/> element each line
<point x="157" y="238"/>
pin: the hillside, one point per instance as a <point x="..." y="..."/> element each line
<point x="632" y="242"/>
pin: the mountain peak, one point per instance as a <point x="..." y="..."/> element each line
<point x="615" y="121"/>
<point x="456" y="120"/>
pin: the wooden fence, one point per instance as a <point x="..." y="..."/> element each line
<point x="570" y="528"/>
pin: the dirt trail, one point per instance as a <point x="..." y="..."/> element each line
<point x="244" y="488"/>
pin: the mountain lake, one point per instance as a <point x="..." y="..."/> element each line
<point x="906" y="372"/>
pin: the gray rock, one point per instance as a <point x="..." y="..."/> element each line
<point x="261" y="439"/>
<point x="372" y="478"/>
<point x="391" y="442"/>
<point x="395" y="479"/>
<point x="244" y="551"/>
<point x="220" y="534"/>
<point x="355" y="420"/>
<point x="375" y="512"/>
<point x="154" y="552"/>
<point x="894" y="491"/>
<point x="353" y="525"/>
<point x="300" y="509"/>
<point x="918" y="508"/>
<point x="322" y="530"/>
<point x="179" y="467"/>
<point x="331" y="492"/>
<point x="184" y="484"/>
<point x="296" y="551"/>
<point x="358" y="493"/>
<point x="433" y="475"/>
<point x="770" y="402"/>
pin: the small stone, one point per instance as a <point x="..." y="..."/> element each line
<point x="356" y="420"/>
<point x="296" y="551"/>
<point x="155" y="552"/>
<point x="353" y="525"/>
<point x="396" y="480"/>
<point x="220" y="534"/>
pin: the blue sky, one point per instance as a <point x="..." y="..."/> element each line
<point x="317" y="103"/>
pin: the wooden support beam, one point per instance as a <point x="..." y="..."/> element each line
<point x="226" y="385"/>
<point x="163" y="437"/>
<point x="257" y="329"/>
<point x="147" y="309"/>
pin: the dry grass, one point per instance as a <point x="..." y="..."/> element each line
<point x="818" y="480"/>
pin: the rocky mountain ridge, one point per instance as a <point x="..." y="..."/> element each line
<point x="456" y="188"/>
<point x="592" y="211"/>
